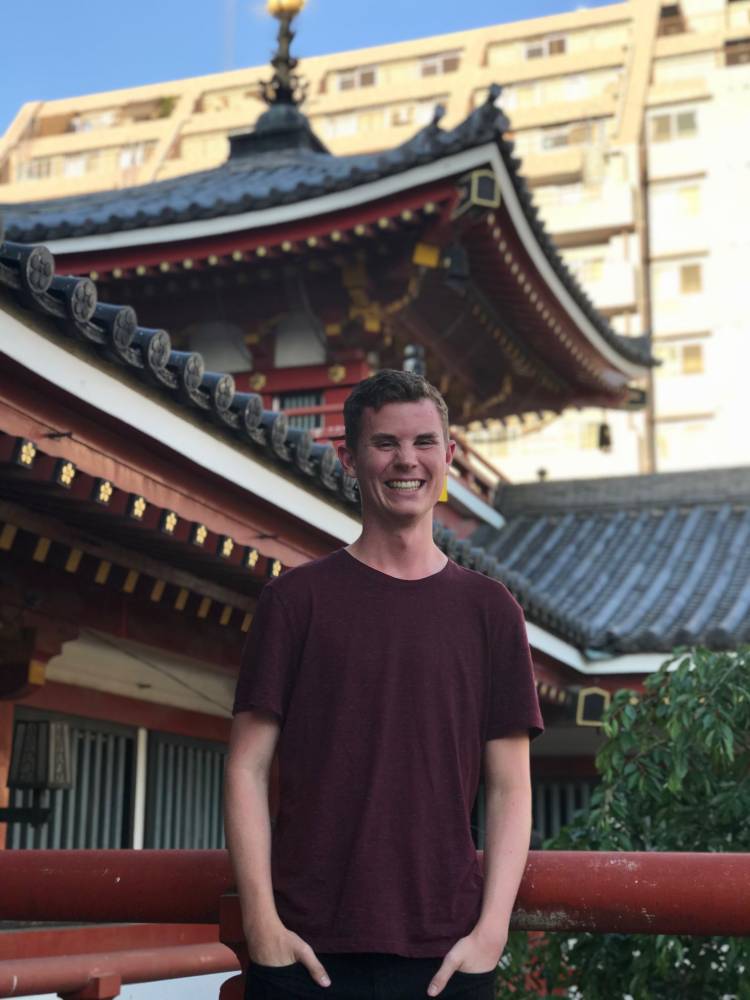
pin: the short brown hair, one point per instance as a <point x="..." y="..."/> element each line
<point x="389" y="386"/>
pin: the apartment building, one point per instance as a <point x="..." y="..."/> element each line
<point x="631" y="122"/>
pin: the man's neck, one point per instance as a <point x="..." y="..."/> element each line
<point x="408" y="553"/>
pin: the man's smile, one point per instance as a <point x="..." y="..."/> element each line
<point x="405" y="484"/>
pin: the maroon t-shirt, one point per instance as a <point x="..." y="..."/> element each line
<point x="386" y="690"/>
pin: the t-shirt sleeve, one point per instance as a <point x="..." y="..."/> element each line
<point x="514" y="705"/>
<point x="269" y="658"/>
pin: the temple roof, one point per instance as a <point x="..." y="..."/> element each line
<point x="253" y="178"/>
<point x="629" y="564"/>
<point x="256" y="179"/>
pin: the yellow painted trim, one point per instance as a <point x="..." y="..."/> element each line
<point x="226" y="614"/>
<point x="182" y="598"/>
<point x="204" y="607"/>
<point x="8" y="536"/>
<point x="37" y="674"/>
<point x="102" y="571"/>
<point x="426" y="255"/>
<point x="157" y="591"/>
<point x="130" y="581"/>
<point x="73" y="561"/>
<point x="42" y="550"/>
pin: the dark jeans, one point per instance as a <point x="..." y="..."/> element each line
<point x="366" y="976"/>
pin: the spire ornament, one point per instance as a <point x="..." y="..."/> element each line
<point x="286" y="86"/>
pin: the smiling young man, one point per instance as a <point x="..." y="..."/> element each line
<point x="389" y="677"/>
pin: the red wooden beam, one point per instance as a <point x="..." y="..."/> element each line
<point x="651" y="893"/>
<point x="100" y="974"/>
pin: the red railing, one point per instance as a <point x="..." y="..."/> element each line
<point x="703" y="894"/>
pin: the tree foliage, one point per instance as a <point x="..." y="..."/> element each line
<point x="675" y="776"/>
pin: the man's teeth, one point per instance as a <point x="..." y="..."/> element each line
<point x="405" y="484"/>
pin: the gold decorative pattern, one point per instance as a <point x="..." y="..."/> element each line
<point x="66" y="473"/>
<point x="225" y="546"/>
<point x="26" y="453"/>
<point x="426" y="255"/>
<point x="157" y="591"/>
<point x="337" y="373"/>
<point x="204" y="607"/>
<point x="138" y="507"/>
<point x="169" y="522"/>
<point x="182" y="598"/>
<point x="130" y="581"/>
<point x="257" y="381"/>
<point x="103" y="491"/>
<point x="200" y="533"/>
<point x="276" y="567"/>
<point x="251" y="558"/>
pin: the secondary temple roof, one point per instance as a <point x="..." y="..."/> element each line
<point x="630" y="564"/>
<point x="639" y="563"/>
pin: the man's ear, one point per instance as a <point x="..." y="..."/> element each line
<point x="347" y="460"/>
<point x="450" y="451"/>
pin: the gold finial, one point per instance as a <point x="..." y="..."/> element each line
<point x="279" y="8"/>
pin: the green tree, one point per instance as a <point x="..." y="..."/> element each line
<point x="675" y="776"/>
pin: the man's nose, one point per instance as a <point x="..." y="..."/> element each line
<point x="406" y="457"/>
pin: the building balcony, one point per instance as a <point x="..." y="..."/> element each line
<point x="572" y="222"/>
<point x="679" y="158"/>
<point x="615" y="290"/>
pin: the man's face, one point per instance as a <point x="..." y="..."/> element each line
<point x="401" y="460"/>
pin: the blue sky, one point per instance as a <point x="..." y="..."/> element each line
<point x="54" y="49"/>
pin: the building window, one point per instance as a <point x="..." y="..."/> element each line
<point x="338" y="125"/>
<point x="737" y="51"/>
<point x="362" y="76"/>
<point x="302" y="400"/>
<point x="574" y="134"/>
<point x="552" y="45"/>
<point x="75" y="165"/>
<point x="35" y="170"/>
<point x="132" y="156"/>
<point x="691" y="279"/>
<point x="680" y="359"/>
<point x="445" y="62"/>
<point x="690" y="199"/>
<point x="97" y="811"/>
<point x="674" y="125"/>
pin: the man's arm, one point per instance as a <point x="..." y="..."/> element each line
<point x="247" y="823"/>
<point x="506" y="845"/>
<point x="507" y="783"/>
<point x="247" y="820"/>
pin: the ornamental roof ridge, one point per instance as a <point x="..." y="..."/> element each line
<point x="112" y="333"/>
<point x="649" y="491"/>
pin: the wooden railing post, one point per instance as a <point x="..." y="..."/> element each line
<point x="105" y="987"/>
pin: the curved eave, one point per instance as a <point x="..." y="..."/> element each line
<point x="359" y="197"/>
<point x="282" y="215"/>
<point x="571" y="308"/>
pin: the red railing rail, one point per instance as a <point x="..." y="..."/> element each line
<point x="103" y="974"/>
<point x="646" y="893"/>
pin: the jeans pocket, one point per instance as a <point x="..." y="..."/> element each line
<point x="475" y="975"/>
